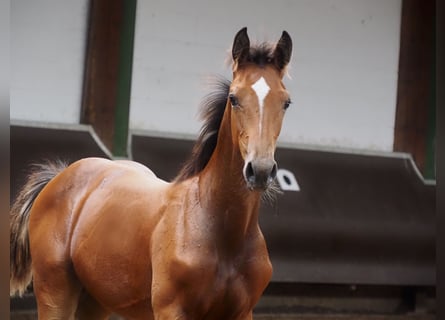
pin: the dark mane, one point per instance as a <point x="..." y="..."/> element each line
<point x="212" y="111"/>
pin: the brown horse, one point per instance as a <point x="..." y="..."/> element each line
<point x="101" y="237"/>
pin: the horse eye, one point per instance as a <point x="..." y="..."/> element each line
<point x="287" y="104"/>
<point x="233" y="100"/>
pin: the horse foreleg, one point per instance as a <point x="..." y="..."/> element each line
<point x="171" y="312"/>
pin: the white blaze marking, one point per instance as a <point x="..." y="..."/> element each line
<point x="261" y="89"/>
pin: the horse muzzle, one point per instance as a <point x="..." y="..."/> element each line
<point x="260" y="173"/>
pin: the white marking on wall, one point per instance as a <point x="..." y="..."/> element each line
<point x="287" y="180"/>
<point x="261" y="89"/>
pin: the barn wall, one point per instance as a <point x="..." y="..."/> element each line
<point x="344" y="65"/>
<point x="343" y="71"/>
<point x="47" y="57"/>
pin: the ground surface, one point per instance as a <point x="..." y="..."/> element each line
<point x="311" y="302"/>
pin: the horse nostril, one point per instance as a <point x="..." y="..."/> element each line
<point x="250" y="174"/>
<point x="260" y="173"/>
<point x="273" y="173"/>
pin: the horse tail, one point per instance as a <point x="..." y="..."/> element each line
<point x="20" y="275"/>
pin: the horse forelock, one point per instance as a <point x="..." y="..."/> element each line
<point x="211" y="113"/>
<point x="261" y="54"/>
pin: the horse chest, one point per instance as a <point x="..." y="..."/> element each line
<point x="209" y="269"/>
<point x="214" y="287"/>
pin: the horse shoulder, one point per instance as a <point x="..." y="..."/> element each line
<point x="181" y="226"/>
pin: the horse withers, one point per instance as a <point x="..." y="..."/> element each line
<point x="100" y="237"/>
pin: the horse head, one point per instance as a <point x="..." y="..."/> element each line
<point x="258" y="99"/>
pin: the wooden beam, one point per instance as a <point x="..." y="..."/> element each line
<point x="107" y="80"/>
<point x="415" y="94"/>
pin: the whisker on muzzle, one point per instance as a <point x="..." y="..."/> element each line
<point x="271" y="193"/>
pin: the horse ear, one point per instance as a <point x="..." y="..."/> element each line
<point x="241" y="47"/>
<point x="283" y="51"/>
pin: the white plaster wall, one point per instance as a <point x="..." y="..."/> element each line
<point x="344" y="64"/>
<point x="48" y="40"/>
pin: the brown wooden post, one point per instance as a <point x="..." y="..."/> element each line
<point x="415" y="94"/>
<point x="106" y="93"/>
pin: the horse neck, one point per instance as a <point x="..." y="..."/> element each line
<point x="223" y="190"/>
